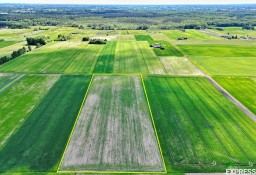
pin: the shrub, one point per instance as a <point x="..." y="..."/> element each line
<point x="85" y="39"/>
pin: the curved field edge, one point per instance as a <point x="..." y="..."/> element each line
<point x="205" y="145"/>
<point x="126" y="143"/>
<point x="40" y="142"/>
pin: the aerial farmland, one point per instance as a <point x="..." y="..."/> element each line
<point x="126" y="101"/>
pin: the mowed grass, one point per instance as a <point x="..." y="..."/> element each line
<point x="128" y="58"/>
<point x="40" y="142"/>
<point x="236" y="31"/>
<point x="179" y="66"/>
<point x="7" y="81"/>
<point x="7" y="50"/>
<point x="6" y="43"/>
<point x="105" y="61"/>
<point x="230" y="66"/>
<point x="18" y="101"/>
<point x="242" y="88"/>
<point x="114" y="130"/>
<point x="190" y="34"/>
<point x="85" y="62"/>
<point x="218" y="50"/>
<point x="199" y="129"/>
<point x="52" y="58"/>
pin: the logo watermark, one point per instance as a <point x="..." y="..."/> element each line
<point x="241" y="171"/>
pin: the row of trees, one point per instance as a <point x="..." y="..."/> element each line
<point x="14" y="55"/>
<point x="98" y="41"/>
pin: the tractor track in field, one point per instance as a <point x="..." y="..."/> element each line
<point x="231" y="98"/>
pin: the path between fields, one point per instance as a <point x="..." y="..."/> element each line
<point x="205" y="173"/>
<point x="232" y="99"/>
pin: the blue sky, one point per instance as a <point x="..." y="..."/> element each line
<point x="132" y="1"/>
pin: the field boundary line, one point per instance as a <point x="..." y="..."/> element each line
<point x="153" y="122"/>
<point x="39" y="102"/>
<point x="77" y="117"/>
<point x="116" y="74"/>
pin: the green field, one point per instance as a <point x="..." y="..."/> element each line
<point x="179" y="66"/>
<point x="40" y="142"/>
<point x="169" y="49"/>
<point x="218" y="50"/>
<point x="236" y="31"/>
<point x="236" y="66"/>
<point x="153" y="63"/>
<point x="85" y="61"/>
<point x="144" y="38"/>
<point x="7" y="51"/>
<point x="243" y="89"/>
<point x="6" y="43"/>
<point x="128" y="58"/>
<point x="199" y="129"/>
<point x="105" y="61"/>
<point x="33" y="89"/>
<point x="190" y="34"/>
<point x="53" y="58"/>
<point x="7" y="81"/>
<point x="114" y="130"/>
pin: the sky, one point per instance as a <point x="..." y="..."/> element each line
<point x="131" y="1"/>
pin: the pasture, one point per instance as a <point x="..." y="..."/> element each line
<point x="236" y="31"/>
<point x="114" y="130"/>
<point x="198" y="128"/>
<point x="40" y="142"/>
<point x="6" y="43"/>
<point x="242" y="88"/>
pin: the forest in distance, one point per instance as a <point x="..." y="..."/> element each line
<point x="123" y="17"/>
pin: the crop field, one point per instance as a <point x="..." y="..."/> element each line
<point x="190" y="34"/>
<point x="220" y="50"/>
<point x="85" y="61"/>
<point x="199" y="128"/>
<point x="242" y="88"/>
<point x="125" y="107"/>
<point x="105" y="61"/>
<point x="236" y="31"/>
<point x="33" y="89"/>
<point x="48" y="59"/>
<point x="128" y="58"/>
<point x="114" y="130"/>
<point x="238" y="66"/>
<point x="6" y="43"/>
<point x="179" y="66"/>
<point x="39" y="143"/>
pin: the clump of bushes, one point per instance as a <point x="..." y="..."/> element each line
<point x="1" y="40"/>
<point x="182" y="38"/>
<point x="42" y="40"/>
<point x="85" y="39"/>
<point x="248" y="27"/>
<point x="63" y="37"/>
<point x="98" y="41"/>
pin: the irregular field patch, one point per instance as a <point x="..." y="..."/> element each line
<point x="40" y="142"/>
<point x="198" y="128"/>
<point x="242" y="88"/>
<point x="106" y="59"/>
<point x="6" y="43"/>
<point x="114" y="130"/>
<point x="179" y="66"/>
<point x="230" y="66"/>
<point x="169" y="50"/>
<point x="18" y="101"/>
<point x="7" y="81"/>
<point x="144" y="38"/>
